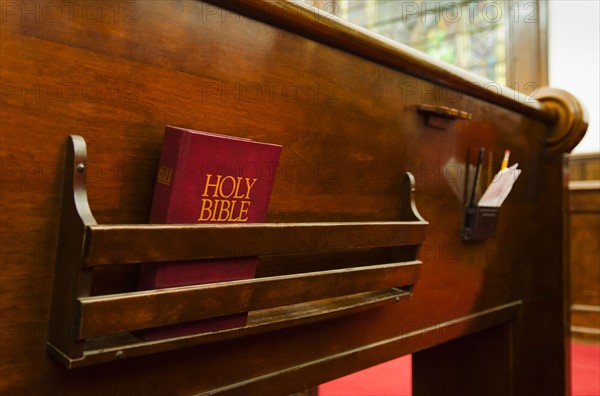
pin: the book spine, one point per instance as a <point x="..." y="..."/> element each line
<point x="165" y="190"/>
<point x="165" y="197"/>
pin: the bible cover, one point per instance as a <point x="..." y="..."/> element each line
<point x="202" y="178"/>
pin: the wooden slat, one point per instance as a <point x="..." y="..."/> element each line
<point x="126" y="244"/>
<point x="118" y="313"/>
<point x="585" y="198"/>
<point x="125" y="345"/>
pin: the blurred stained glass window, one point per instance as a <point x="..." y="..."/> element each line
<point x="469" y="34"/>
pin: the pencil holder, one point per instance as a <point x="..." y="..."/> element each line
<point x="480" y="223"/>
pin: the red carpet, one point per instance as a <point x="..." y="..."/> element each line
<point x="585" y="369"/>
<point x="393" y="378"/>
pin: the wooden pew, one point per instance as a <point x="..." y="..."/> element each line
<point x="584" y="220"/>
<point x="370" y="264"/>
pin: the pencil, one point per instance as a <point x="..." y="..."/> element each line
<point x="467" y="174"/>
<point x="489" y="168"/>
<point x="505" y="160"/>
<point x="477" y="172"/>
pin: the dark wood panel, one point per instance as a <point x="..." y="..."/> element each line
<point x="585" y="322"/>
<point x="584" y="166"/>
<point x="585" y="266"/>
<point x="584" y="197"/>
<point x="416" y="340"/>
<point x="584" y="216"/>
<point x="471" y="357"/>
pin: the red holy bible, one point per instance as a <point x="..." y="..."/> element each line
<point x="208" y="178"/>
